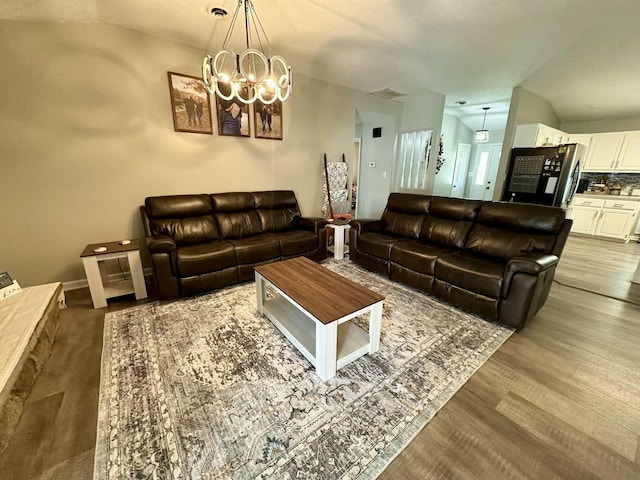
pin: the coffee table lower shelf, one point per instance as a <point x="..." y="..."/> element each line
<point x="300" y="330"/>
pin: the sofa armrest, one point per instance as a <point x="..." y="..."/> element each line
<point x="367" y="225"/>
<point x="532" y="264"/>
<point x="311" y="223"/>
<point x="161" y="244"/>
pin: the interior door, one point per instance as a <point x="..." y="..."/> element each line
<point x="460" y="170"/>
<point x="486" y="169"/>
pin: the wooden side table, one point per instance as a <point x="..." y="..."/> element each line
<point x="99" y="285"/>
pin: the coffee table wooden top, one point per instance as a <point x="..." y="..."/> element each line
<point x="324" y="294"/>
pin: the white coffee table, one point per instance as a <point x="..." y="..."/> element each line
<point x="313" y="308"/>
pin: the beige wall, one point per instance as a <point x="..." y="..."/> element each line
<point x="525" y="107"/>
<point x="620" y="124"/>
<point x="86" y="134"/>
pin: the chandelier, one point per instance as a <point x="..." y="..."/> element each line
<point x="250" y="75"/>
<point x="482" y="136"/>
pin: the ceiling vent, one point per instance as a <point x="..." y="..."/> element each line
<point x="388" y="93"/>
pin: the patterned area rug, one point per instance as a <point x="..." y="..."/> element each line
<point x="204" y="388"/>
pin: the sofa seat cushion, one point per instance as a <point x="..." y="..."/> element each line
<point x="481" y="275"/>
<point x="255" y="249"/>
<point x="204" y="258"/>
<point x="416" y="255"/>
<point x="377" y="244"/>
<point x="296" y="242"/>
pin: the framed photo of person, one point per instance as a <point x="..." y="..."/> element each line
<point x="190" y="104"/>
<point x="234" y="117"/>
<point x="268" y="120"/>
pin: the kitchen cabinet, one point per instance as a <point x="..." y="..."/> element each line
<point x="585" y="213"/>
<point x="538" y="135"/>
<point x="629" y="159"/>
<point x="617" y="219"/>
<point x="603" y="217"/>
<point x="584" y="219"/>
<point x="606" y="152"/>
<point x="581" y="138"/>
<point x="603" y="152"/>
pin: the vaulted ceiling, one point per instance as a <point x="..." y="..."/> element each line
<point x="581" y="55"/>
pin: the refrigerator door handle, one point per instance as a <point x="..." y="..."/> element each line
<point x="578" y="171"/>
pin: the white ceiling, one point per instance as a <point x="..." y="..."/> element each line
<point x="581" y="55"/>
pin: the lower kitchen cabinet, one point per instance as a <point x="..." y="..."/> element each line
<point x="584" y="219"/>
<point x="604" y="217"/>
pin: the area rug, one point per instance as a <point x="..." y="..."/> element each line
<point x="204" y="388"/>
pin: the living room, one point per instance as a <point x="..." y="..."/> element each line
<point x="88" y="135"/>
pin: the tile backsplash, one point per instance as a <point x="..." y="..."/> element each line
<point x="626" y="181"/>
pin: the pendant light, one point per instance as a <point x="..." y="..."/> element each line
<point x="251" y="75"/>
<point x="482" y="136"/>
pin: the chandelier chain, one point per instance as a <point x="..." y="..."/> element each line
<point x="255" y="17"/>
<point x="231" y="25"/>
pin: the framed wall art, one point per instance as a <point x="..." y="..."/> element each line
<point x="190" y="104"/>
<point x="234" y="117"/>
<point x="268" y="119"/>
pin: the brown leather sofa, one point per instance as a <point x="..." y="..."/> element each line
<point x="202" y="242"/>
<point x="494" y="259"/>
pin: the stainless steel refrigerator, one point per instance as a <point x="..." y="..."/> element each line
<point x="544" y="175"/>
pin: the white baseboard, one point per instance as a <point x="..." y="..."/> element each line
<point x="114" y="277"/>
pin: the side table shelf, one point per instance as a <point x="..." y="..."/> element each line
<point x="100" y="287"/>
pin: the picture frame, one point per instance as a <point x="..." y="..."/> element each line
<point x="234" y="117"/>
<point x="190" y="104"/>
<point x="268" y="120"/>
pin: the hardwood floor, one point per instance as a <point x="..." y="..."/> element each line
<point x="559" y="400"/>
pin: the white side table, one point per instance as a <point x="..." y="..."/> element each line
<point x="340" y="229"/>
<point x="99" y="285"/>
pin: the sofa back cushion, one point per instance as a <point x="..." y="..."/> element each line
<point x="449" y="221"/>
<point x="405" y="214"/>
<point x="236" y="214"/>
<point x="188" y="219"/>
<point x="506" y="230"/>
<point x="277" y="210"/>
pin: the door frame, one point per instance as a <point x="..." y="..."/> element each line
<point x="357" y="157"/>
<point x="494" y="150"/>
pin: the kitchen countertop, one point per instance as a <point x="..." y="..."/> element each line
<point x="608" y="195"/>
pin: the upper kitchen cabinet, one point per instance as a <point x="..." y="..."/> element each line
<point x="538" y="135"/>
<point x="613" y="152"/>
<point x="580" y="138"/>
<point x="629" y="160"/>
<point x="606" y="152"/>
<point x="603" y="152"/>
